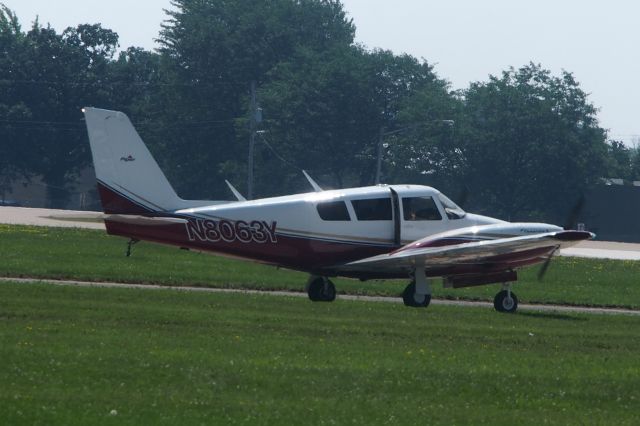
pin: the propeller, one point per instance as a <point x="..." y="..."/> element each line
<point x="543" y="269"/>
<point x="574" y="213"/>
<point x="572" y="219"/>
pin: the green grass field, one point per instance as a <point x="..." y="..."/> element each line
<point x="93" y="255"/>
<point x="123" y="356"/>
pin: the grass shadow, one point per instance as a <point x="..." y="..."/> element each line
<point x="551" y="315"/>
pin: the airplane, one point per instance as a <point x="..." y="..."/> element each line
<point x="375" y="232"/>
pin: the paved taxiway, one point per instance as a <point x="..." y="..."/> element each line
<point x="47" y="217"/>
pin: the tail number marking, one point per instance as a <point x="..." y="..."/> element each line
<point x="258" y="231"/>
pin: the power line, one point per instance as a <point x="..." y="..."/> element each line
<point x="74" y="123"/>
<point x="278" y="156"/>
<point x="121" y="83"/>
<point x="80" y="124"/>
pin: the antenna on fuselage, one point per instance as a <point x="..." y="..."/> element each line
<point x="313" y="183"/>
<point x="236" y="193"/>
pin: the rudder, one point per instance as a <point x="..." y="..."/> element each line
<point x="129" y="179"/>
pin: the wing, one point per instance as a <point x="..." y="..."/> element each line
<point x="470" y="257"/>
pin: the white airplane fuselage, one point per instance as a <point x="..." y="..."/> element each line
<point x="289" y="231"/>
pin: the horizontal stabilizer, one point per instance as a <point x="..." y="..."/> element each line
<point x="143" y="220"/>
<point x="122" y="218"/>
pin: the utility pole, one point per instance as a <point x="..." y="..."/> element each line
<point x="252" y="140"/>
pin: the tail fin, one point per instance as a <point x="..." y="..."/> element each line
<point x="129" y="179"/>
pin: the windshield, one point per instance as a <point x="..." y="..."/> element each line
<point x="451" y="208"/>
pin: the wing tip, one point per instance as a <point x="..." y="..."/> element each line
<point x="574" y="235"/>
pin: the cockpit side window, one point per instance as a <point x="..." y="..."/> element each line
<point x="333" y="210"/>
<point x="451" y="208"/>
<point x="373" y="209"/>
<point x="420" y="208"/>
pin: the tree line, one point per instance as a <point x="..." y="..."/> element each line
<point x="521" y="145"/>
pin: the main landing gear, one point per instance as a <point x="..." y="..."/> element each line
<point x="321" y="289"/>
<point x="418" y="293"/>
<point x="506" y="301"/>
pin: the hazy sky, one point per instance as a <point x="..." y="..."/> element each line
<point x="598" y="41"/>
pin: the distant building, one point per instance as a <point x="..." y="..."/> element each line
<point x="83" y="194"/>
<point x="612" y="211"/>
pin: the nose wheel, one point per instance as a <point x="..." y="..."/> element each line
<point x="506" y="301"/>
<point x="321" y="289"/>
<point x="418" y="293"/>
<point x="413" y="299"/>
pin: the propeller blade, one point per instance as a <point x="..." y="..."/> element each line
<point x="574" y="213"/>
<point x="545" y="266"/>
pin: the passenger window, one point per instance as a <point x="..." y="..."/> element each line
<point x="333" y="210"/>
<point x="420" y="208"/>
<point x="373" y="209"/>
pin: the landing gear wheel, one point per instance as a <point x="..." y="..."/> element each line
<point x="321" y="290"/>
<point x="505" y="301"/>
<point x="409" y="297"/>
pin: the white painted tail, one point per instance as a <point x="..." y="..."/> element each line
<point x="129" y="179"/>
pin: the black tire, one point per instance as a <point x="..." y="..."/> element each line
<point x="329" y="294"/>
<point x="314" y="289"/>
<point x="502" y="303"/>
<point x="409" y="299"/>
<point x="318" y="293"/>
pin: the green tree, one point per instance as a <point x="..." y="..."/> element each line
<point x="532" y="143"/>
<point x="134" y="80"/>
<point x="426" y="147"/>
<point x="13" y="111"/>
<point x="326" y="118"/>
<point x="333" y="106"/>
<point x="635" y="163"/>
<point x="619" y="161"/>
<point x="64" y="73"/>
<point x="211" y="52"/>
<point x="48" y="77"/>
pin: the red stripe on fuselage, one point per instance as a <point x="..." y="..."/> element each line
<point x="290" y="252"/>
<point x="115" y="203"/>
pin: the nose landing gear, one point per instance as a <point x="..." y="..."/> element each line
<point x="418" y="293"/>
<point x="506" y="301"/>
